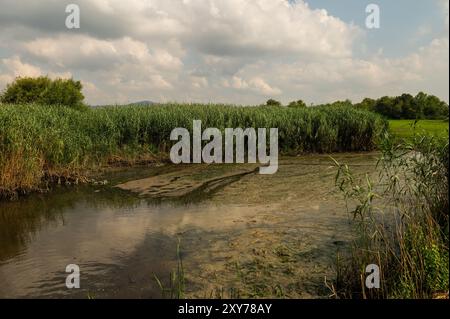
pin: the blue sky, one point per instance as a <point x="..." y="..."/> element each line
<point x="233" y="51"/>
<point x="401" y="22"/>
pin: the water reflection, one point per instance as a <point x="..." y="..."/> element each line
<point x="120" y="239"/>
<point x="21" y="220"/>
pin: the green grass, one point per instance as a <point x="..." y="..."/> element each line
<point x="406" y="128"/>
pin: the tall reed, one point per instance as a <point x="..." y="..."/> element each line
<point x="402" y="220"/>
<point x="36" y="139"/>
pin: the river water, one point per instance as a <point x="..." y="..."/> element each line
<point x="241" y="234"/>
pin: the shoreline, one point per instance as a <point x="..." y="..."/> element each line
<point x="52" y="177"/>
<point x="94" y="174"/>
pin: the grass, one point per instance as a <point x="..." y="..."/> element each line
<point x="40" y="142"/>
<point x="177" y="286"/>
<point x="405" y="129"/>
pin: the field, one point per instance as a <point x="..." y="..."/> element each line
<point x="36" y="141"/>
<point x="405" y="128"/>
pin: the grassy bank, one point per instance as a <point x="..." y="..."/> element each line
<point x="402" y="222"/>
<point x="406" y="129"/>
<point x="40" y="142"/>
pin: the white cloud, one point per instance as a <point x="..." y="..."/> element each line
<point x="86" y="52"/>
<point x="15" y="67"/>
<point x="238" y="51"/>
<point x="256" y="84"/>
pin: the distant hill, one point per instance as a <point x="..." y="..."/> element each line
<point x="143" y="103"/>
<point x="140" y="103"/>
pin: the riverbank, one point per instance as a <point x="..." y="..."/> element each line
<point x="51" y="177"/>
<point x="43" y="144"/>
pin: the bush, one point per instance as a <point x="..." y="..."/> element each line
<point x="45" y="91"/>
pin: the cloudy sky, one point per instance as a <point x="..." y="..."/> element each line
<point x="230" y="51"/>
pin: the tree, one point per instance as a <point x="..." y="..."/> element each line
<point x="433" y="107"/>
<point x="273" y="102"/>
<point x="43" y="90"/>
<point x="420" y="100"/>
<point x="25" y="90"/>
<point x="367" y="104"/>
<point x="297" y="104"/>
<point x="407" y="104"/>
<point x="345" y="103"/>
<point x="430" y="106"/>
<point x="387" y="107"/>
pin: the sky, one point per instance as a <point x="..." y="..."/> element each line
<point x="230" y="51"/>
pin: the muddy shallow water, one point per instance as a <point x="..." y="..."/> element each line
<point x="242" y="234"/>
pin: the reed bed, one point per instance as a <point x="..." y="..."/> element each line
<point x="37" y="139"/>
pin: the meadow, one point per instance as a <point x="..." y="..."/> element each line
<point x="407" y="128"/>
<point x="39" y="142"/>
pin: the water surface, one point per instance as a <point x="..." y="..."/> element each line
<point x="242" y="234"/>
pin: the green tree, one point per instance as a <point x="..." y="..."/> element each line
<point x="434" y="108"/>
<point x="43" y="90"/>
<point x="388" y="107"/>
<point x="405" y="106"/>
<point x="367" y="104"/>
<point x="408" y="106"/>
<point x="25" y="90"/>
<point x="346" y="103"/>
<point x="420" y="100"/>
<point x="430" y="106"/>
<point x="272" y="102"/>
<point x="298" y="104"/>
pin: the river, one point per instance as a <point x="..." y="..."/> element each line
<point x="241" y="234"/>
